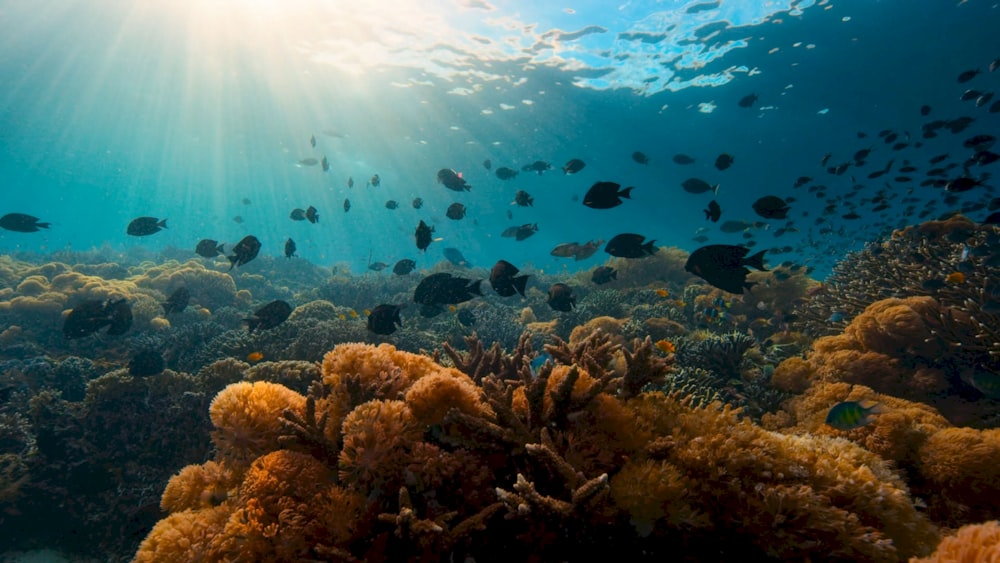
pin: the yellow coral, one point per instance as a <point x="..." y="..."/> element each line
<point x="965" y="464"/>
<point x="794" y="374"/>
<point x="432" y="396"/>
<point x="197" y="486"/>
<point x="975" y="543"/>
<point x="246" y="418"/>
<point x="183" y="536"/>
<point x="375" y="436"/>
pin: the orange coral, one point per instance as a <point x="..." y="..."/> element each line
<point x="794" y="374"/>
<point x="964" y="465"/>
<point x="375" y="437"/>
<point x="183" y="536"/>
<point x="975" y="543"/>
<point x="246" y="417"/>
<point x="897" y="326"/>
<point x="432" y="396"/>
<point x="197" y="486"/>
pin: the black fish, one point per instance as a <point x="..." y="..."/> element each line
<point x="698" y="186"/>
<point x="505" y="173"/>
<point x="403" y="267"/>
<point x="573" y="166"/>
<point x="308" y="162"/>
<point x="444" y="289"/>
<point x="628" y="245"/>
<point x="423" y="235"/>
<point x="347" y="205"/>
<point x="713" y="212"/>
<point x="724" y="266"/>
<point x="724" y="161"/>
<point x="455" y="211"/>
<point x="312" y="141"/>
<point x="771" y="207"/>
<point x="375" y="181"/>
<point x="290" y="248"/>
<point x="603" y="275"/>
<point x="925" y="110"/>
<point x="298" y="214"/>
<point x="967" y="75"/>
<point x="21" y="223"/>
<point x="120" y="314"/>
<point x="505" y="281"/>
<point x="748" y="101"/>
<point x="803" y="180"/>
<point x="520" y="232"/>
<point x="177" y="302"/>
<point x="487" y="164"/>
<point x="466" y="317"/>
<point x="979" y="142"/>
<point x="417" y="203"/>
<point x="244" y="251"/>
<point x="992" y="218"/>
<point x="312" y="215"/>
<point x="384" y="319"/>
<point x="325" y="164"/>
<point x="454" y="256"/>
<point x="561" y="297"/>
<point x="453" y="180"/>
<point x="144" y="226"/>
<point x="682" y="159"/>
<point x="350" y="182"/>
<point x="269" y="316"/>
<point x="209" y="248"/>
<point x="146" y="363"/>
<point x="391" y="204"/>
<point x="238" y="219"/>
<point x="523" y="199"/>
<point x="377" y="266"/>
<point x="93" y="315"/>
<point x="962" y="184"/>
<point x="640" y="157"/>
<point x="538" y="166"/>
<point x="605" y="195"/>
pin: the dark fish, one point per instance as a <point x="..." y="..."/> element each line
<point x="970" y="95"/>
<point x="144" y="226"/>
<point x="466" y="317"/>
<point x="93" y="315"/>
<point x="995" y="64"/>
<point x="629" y="245"/>
<point x="505" y="173"/>
<point x="455" y="211"/>
<point x="177" y="302"/>
<point x="523" y="199"/>
<point x="748" y="101"/>
<point x="848" y="415"/>
<point x="962" y="184"/>
<point x="21" y="223"/>
<point x="561" y="297"/>
<point x="603" y="275"/>
<point x="146" y="363"/>
<point x="505" y="281"/>
<point x="992" y="218"/>
<point x="995" y="107"/>
<point x="925" y="110"/>
<point x="862" y="154"/>
<point x="822" y="162"/>
<point x="979" y="142"/>
<point x="700" y="239"/>
<point x="403" y="267"/>
<point x="510" y="214"/>
<point x="209" y="248"/>
<point x="377" y="266"/>
<point x="312" y="215"/>
<point x="244" y="251"/>
<point x="384" y="319"/>
<point x="454" y="256"/>
<point x="290" y="248"/>
<point x="520" y="232"/>
<point x="444" y="289"/>
<point x="347" y="205"/>
<point x="238" y="219"/>
<point x="984" y="99"/>
<point x="269" y="316"/>
<point x="803" y="180"/>
<point x="723" y="161"/>
<point x="312" y="141"/>
<point x="417" y="203"/>
<point x="699" y="186"/>
<point x="967" y="75"/>
<point x="308" y="162"/>
<point x="375" y="181"/>
<point x="325" y="164"/>
<point x="246" y="201"/>
<point x="640" y="157"/>
<point x="605" y="195"/>
<point x="453" y="180"/>
<point x="423" y="235"/>
<point x="724" y="266"/>
<point x="537" y="166"/>
<point x="573" y="166"/>
<point x="391" y="204"/>
<point x="771" y="207"/>
<point x="713" y="212"/>
<point x="985" y="157"/>
<point x="682" y="159"/>
<point x="487" y="164"/>
<point x="298" y="214"/>
<point x="350" y="182"/>
<point x="851" y="216"/>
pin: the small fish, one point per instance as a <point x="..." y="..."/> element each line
<point x="403" y="267"/>
<point x="244" y="251"/>
<point x="505" y="173"/>
<point x="662" y="292"/>
<point x="713" y="212"/>
<point x="350" y="182"/>
<point x="145" y="226"/>
<point x="537" y="166"/>
<point x="146" y="363"/>
<point x="538" y="361"/>
<point x="456" y="211"/>
<point x="771" y="207"/>
<point x="967" y="75"/>
<point x="573" y="166"/>
<point x="836" y="317"/>
<point x="443" y="288"/>
<point x="22" y="223"/>
<point x="488" y="164"/>
<point x="290" y="248"/>
<point x="93" y="315"/>
<point x="665" y="346"/>
<point x="682" y="159"/>
<point x="269" y="316"/>
<point x="630" y="245"/>
<point x="925" y="110"/>
<point x="177" y="302"/>
<point x="603" y="274"/>
<point x="384" y="319"/>
<point x="747" y="101"/>
<point x="454" y="256"/>
<point x="377" y="266"/>
<point x="312" y="215"/>
<point x="561" y="297"/>
<point x="725" y="266"/>
<point x="962" y="184"/>
<point x="297" y="214"/>
<point x="605" y="195"/>
<point x="209" y="248"/>
<point x="724" y="161"/>
<point x="848" y="415"/>
<point x="417" y="203"/>
<point x="423" y="235"/>
<point x="391" y="204"/>
<point x="312" y="141"/>
<point x="246" y="201"/>
<point x="523" y="199"/>
<point x="520" y="232"/>
<point x="640" y="157"/>
<point x="238" y="219"/>
<point x="505" y="281"/>
<point x="699" y="186"/>
<point x="325" y="164"/>
<point x="308" y="162"/>
<point x="453" y="180"/>
<point x="375" y="181"/>
<point x="955" y="278"/>
<point x="347" y="205"/>
<point x="254" y="357"/>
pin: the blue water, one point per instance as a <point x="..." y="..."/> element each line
<point x="112" y="109"/>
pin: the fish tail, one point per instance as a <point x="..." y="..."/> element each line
<point x="614" y="275"/>
<point x="232" y="261"/>
<point x="220" y="249"/>
<point x="43" y="225"/>
<point x="626" y="193"/>
<point x="519" y="284"/>
<point x="757" y="261"/>
<point x="252" y="324"/>
<point x="162" y="224"/>
<point x="474" y="287"/>
<point x="648" y="248"/>
<point x="715" y="189"/>
<point x="707" y="214"/>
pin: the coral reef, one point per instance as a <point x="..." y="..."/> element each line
<point x="392" y="456"/>
<point x="979" y="543"/>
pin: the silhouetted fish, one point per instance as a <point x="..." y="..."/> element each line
<point x="21" y="223"/>
<point x="177" y="302"/>
<point x="209" y="248"/>
<point x="505" y="281"/>
<point x="269" y="316"/>
<point x="244" y="251"/>
<point x="561" y="297"/>
<point x="144" y="226"/>
<point x="629" y="245"/>
<point x="724" y="266"/>
<point x="384" y="319"/>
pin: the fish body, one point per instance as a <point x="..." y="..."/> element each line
<point x="573" y="166"/>
<point x="848" y="415"/>
<point x="391" y="204"/>
<point x="290" y="248"/>
<point x="603" y="274"/>
<point x="640" y="157"/>
<point x="537" y="166"/>
<point x="403" y="267"/>
<point x="297" y="214"/>
<point x="453" y="180"/>
<point x="561" y="297"/>
<point x="93" y="315"/>
<point x="605" y="195"/>
<point x="505" y="281"/>
<point x="384" y="319"/>
<point x="445" y="289"/>
<point x="269" y="316"/>
<point x="312" y="215"/>
<point x="748" y="101"/>
<point x="455" y="256"/>
<point x="630" y="245"/>
<point x="347" y="205"/>
<point x="724" y="161"/>
<point x="423" y="235"/>
<point x="698" y="186"/>
<point x="771" y="207"/>
<point x="682" y="159"/>
<point x="244" y="251"/>
<point x="377" y="266"/>
<point x="417" y="203"/>
<point x="505" y="173"/>
<point x="713" y="211"/>
<point x="375" y="181"/>
<point x="523" y="199"/>
<point x="325" y="164"/>
<point x="209" y="248"/>
<point x="177" y="302"/>
<point x="456" y="211"/>
<point x="22" y="223"/>
<point x="724" y="266"/>
<point x="520" y="232"/>
<point x="145" y="226"/>
<point x="308" y="162"/>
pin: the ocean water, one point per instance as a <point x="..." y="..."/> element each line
<point x="112" y="110"/>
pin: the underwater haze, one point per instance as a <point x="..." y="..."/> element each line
<point x="112" y="110"/>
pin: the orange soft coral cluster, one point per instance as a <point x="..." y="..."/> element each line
<point x="975" y="543"/>
<point x="426" y="464"/>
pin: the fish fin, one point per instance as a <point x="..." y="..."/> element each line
<point x="252" y="324"/>
<point x="626" y="193"/>
<point x="757" y="261"/>
<point x="474" y="287"/>
<point x="221" y="250"/>
<point x="707" y="214"/>
<point x="162" y="224"/>
<point x="232" y="262"/>
<point x="519" y="284"/>
<point x="648" y="248"/>
<point x="715" y="189"/>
